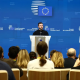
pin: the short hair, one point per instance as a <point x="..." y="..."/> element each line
<point x="32" y="55"/>
<point x="40" y="23"/>
<point x="23" y="58"/>
<point x="42" y="48"/>
<point x="51" y="53"/>
<point x="71" y="52"/>
<point x="13" y="52"/>
<point x="1" y="51"/>
<point x="58" y="59"/>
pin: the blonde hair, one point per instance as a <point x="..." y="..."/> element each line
<point x="23" y="58"/>
<point x="57" y="59"/>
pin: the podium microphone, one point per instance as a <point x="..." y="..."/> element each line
<point x="40" y="32"/>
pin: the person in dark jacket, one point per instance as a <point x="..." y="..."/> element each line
<point x="40" y="31"/>
<point x="69" y="62"/>
<point x="5" y="66"/>
<point x="13" y="53"/>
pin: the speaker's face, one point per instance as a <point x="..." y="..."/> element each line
<point x="40" y="26"/>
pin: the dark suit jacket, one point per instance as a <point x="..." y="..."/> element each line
<point x="69" y="62"/>
<point x="43" y="32"/>
<point x="5" y="66"/>
<point x="12" y="64"/>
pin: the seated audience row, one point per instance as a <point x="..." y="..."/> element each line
<point x="13" y="53"/>
<point x="60" y="62"/>
<point x="21" y="59"/>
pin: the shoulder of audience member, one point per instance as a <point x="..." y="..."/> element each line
<point x="49" y="61"/>
<point x="8" y="60"/>
<point x="8" y="68"/>
<point x="32" y="61"/>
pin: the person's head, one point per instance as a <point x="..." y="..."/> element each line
<point x="57" y="59"/>
<point x="51" y="53"/>
<point x="23" y="58"/>
<point x="40" y="26"/>
<point x="41" y="50"/>
<point x="13" y="52"/>
<point x="18" y="47"/>
<point x="1" y="52"/>
<point x="32" y="55"/>
<point x="71" y="53"/>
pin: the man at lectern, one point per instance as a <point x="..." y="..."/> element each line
<point x="40" y="31"/>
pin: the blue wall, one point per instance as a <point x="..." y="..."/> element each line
<point x="20" y="14"/>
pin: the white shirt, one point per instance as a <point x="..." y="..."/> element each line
<point x="35" y="64"/>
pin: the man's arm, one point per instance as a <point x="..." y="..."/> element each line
<point x="11" y="75"/>
<point x="34" y="33"/>
<point x="8" y="69"/>
<point x="47" y="33"/>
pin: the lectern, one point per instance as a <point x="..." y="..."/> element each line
<point x="36" y="39"/>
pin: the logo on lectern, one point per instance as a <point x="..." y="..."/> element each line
<point x="39" y="39"/>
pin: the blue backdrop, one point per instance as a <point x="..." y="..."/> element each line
<point x="19" y="19"/>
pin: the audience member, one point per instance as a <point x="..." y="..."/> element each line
<point x="23" y="58"/>
<point x="41" y="62"/>
<point x="5" y="66"/>
<point x="69" y="62"/>
<point x="58" y="59"/>
<point x="77" y="64"/>
<point x="18" y="47"/>
<point x="13" y="53"/>
<point x="32" y="55"/>
<point x="51" y="53"/>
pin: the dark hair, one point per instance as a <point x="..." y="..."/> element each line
<point x="1" y="51"/>
<point x="32" y="55"/>
<point x="42" y="49"/>
<point x="40" y="23"/>
<point x="13" y="51"/>
<point x="51" y="53"/>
